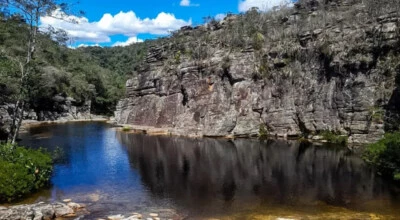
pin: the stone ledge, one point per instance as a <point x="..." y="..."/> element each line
<point x="42" y="210"/>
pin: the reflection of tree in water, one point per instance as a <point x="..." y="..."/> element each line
<point x="63" y="139"/>
<point x="189" y="170"/>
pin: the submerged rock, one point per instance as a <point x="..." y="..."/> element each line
<point x="67" y="200"/>
<point x="74" y="206"/>
<point x="115" y="217"/>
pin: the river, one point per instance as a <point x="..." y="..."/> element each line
<point x="116" y="172"/>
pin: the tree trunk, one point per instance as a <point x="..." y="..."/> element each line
<point x="18" y="121"/>
<point x="14" y="122"/>
<point x="25" y="71"/>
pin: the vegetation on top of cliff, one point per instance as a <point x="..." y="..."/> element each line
<point x="23" y="171"/>
<point x="276" y="37"/>
<point x="385" y="155"/>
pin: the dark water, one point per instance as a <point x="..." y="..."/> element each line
<point x="116" y="173"/>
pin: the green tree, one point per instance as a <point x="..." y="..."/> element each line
<point x="30" y="12"/>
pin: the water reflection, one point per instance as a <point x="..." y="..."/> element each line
<point x="210" y="171"/>
<point x="119" y="172"/>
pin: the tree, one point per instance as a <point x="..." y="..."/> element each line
<point x="29" y="11"/>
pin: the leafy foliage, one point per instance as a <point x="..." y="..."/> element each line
<point x="120" y="60"/>
<point x="22" y="171"/>
<point x="58" y="70"/>
<point x="385" y="155"/>
<point x="126" y="128"/>
<point x="334" y="138"/>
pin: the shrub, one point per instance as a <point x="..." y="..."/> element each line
<point x="334" y="138"/>
<point x="377" y="114"/>
<point x="263" y="69"/>
<point x="385" y="155"/>
<point x="258" y="41"/>
<point x="262" y="132"/>
<point x="381" y="7"/>
<point x="226" y="63"/>
<point x="178" y="57"/>
<point x="22" y="171"/>
<point x="126" y="128"/>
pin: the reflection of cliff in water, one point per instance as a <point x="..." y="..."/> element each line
<point x="190" y="170"/>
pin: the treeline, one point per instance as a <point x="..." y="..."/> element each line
<point x="121" y="60"/>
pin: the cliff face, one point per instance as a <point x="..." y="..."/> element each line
<point x="61" y="109"/>
<point x="316" y="70"/>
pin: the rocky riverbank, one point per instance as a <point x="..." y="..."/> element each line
<point x="71" y="210"/>
<point x="28" y="123"/>
<point x="164" y="214"/>
<point x="63" y="109"/>
<point x="42" y="210"/>
<point x="169" y="131"/>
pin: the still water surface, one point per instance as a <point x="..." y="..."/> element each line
<point x="115" y="172"/>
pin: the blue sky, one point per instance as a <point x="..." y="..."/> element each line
<point x="122" y="22"/>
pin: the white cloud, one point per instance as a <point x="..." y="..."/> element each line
<point x="186" y="3"/>
<point x="220" y="17"/>
<point x="130" y="41"/>
<point x="123" y="23"/>
<point x="264" y="5"/>
<point x="88" y="45"/>
<point x="84" y="45"/>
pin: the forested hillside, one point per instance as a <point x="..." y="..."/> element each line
<point x="94" y="74"/>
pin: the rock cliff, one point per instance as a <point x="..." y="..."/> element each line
<point x="61" y="109"/>
<point x="300" y="70"/>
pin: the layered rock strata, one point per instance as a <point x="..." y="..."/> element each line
<point x="338" y="77"/>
